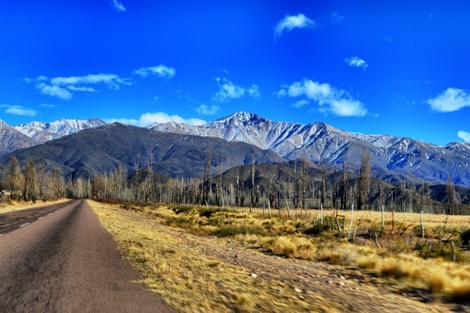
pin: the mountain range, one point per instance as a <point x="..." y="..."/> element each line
<point x="392" y="158"/>
<point x="105" y="148"/>
<point x="42" y="132"/>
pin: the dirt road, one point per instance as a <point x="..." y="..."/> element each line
<point x="60" y="259"/>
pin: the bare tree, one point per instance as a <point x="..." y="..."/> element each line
<point x="14" y="178"/>
<point x="323" y="185"/>
<point x="206" y="180"/>
<point x="335" y="189"/>
<point x="451" y="197"/>
<point x="364" y="180"/>
<point x="344" y="188"/>
<point x="30" y="186"/>
<point x="253" y="186"/>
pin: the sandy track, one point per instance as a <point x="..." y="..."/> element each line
<point x="66" y="262"/>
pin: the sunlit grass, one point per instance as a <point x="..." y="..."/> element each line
<point x="21" y="205"/>
<point x="395" y="260"/>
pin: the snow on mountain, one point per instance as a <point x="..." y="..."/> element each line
<point x="42" y="132"/>
<point x="11" y="139"/>
<point x="320" y="142"/>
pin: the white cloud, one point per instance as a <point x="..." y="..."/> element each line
<point x="47" y="105"/>
<point x="228" y="90"/>
<point x="336" y="17"/>
<point x="206" y="110"/>
<point x="254" y="92"/>
<point x="356" y="62"/>
<point x="291" y="22"/>
<point x="54" y="91"/>
<point x="464" y="135"/>
<point x="159" y="70"/>
<point x="110" y="80"/>
<point x="18" y="110"/>
<point x="450" y="100"/>
<point x="147" y="119"/>
<point x="118" y="6"/>
<point x="330" y="99"/>
<point x="63" y="87"/>
<point x="83" y="89"/>
<point x="300" y="103"/>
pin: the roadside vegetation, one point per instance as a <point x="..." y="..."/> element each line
<point x="392" y="248"/>
<point x="11" y="205"/>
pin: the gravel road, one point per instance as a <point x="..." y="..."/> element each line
<point x="60" y="259"/>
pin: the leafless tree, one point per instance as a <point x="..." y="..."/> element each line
<point x="364" y="181"/>
<point x="30" y="185"/>
<point x="14" y="178"/>
<point x="451" y="197"/>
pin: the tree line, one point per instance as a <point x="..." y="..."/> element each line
<point x="330" y="189"/>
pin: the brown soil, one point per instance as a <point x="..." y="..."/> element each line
<point x="66" y="262"/>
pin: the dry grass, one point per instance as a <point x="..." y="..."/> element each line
<point x="189" y="280"/>
<point x="282" y="237"/>
<point x="21" y="205"/>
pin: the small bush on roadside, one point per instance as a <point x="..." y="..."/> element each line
<point x="181" y="209"/>
<point x="444" y="250"/>
<point x="465" y="237"/>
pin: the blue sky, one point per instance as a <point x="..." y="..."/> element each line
<point x="374" y="67"/>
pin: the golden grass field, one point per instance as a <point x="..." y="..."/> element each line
<point x="186" y="255"/>
<point x="21" y="205"/>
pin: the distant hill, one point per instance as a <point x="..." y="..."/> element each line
<point x="392" y="158"/>
<point x="42" y="132"/>
<point x="11" y="139"/>
<point x="103" y="149"/>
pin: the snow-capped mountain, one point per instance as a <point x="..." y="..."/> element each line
<point x="390" y="155"/>
<point x="42" y="132"/>
<point x="11" y="139"/>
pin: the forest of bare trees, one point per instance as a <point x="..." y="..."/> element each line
<point x="341" y="190"/>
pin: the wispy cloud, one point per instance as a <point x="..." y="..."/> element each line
<point x="228" y="90"/>
<point x="47" y="105"/>
<point x="254" y="92"/>
<point x="82" y="89"/>
<point x="118" y="6"/>
<point x="207" y="110"/>
<point x="293" y="21"/>
<point x="336" y="17"/>
<point x="356" y="62"/>
<point x="159" y="70"/>
<point x="147" y="119"/>
<point x="300" y="103"/>
<point x="330" y="99"/>
<point x="450" y="100"/>
<point x="464" y="135"/>
<point x="112" y="81"/>
<point x="53" y="91"/>
<point x="64" y="87"/>
<point x="18" y="110"/>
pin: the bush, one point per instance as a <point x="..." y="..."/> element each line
<point x="181" y="209"/>
<point x="233" y="230"/>
<point x="465" y="237"/>
<point x="443" y="250"/>
<point x="316" y="229"/>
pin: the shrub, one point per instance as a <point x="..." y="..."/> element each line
<point x="233" y="230"/>
<point x="465" y="237"/>
<point x="181" y="209"/>
<point x="439" y="249"/>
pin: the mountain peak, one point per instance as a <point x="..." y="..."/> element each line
<point x="243" y="118"/>
<point x="43" y="132"/>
